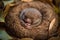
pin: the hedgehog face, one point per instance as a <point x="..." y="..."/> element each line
<point x="30" y="17"/>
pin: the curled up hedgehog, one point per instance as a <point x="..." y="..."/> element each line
<point x="33" y="19"/>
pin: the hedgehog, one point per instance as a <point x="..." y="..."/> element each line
<point x="34" y="19"/>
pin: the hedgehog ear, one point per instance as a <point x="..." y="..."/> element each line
<point x="53" y="26"/>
